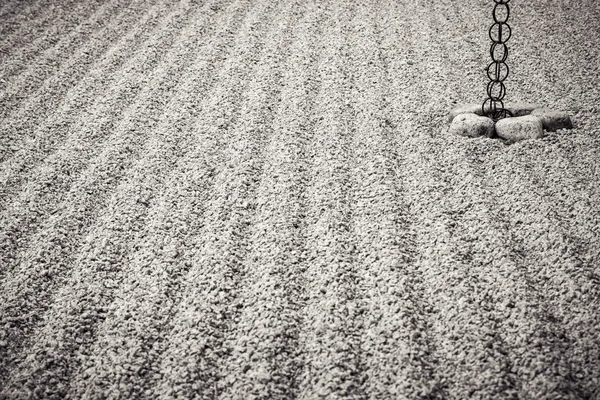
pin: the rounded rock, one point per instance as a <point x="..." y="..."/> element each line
<point x="472" y="125"/>
<point x="464" y="109"/>
<point x="521" y="109"/>
<point x="553" y="120"/>
<point x="520" y="128"/>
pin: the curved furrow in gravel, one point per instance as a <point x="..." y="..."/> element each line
<point x="546" y="67"/>
<point x="552" y="70"/>
<point x="44" y="191"/>
<point x="569" y="157"/>
<point x="558" y="61"/>
<point x="469" y="274"/>
<point x="562" y="174"/>
<point x="165" y="124"/>
<point x="567" y="148"/>
<point x="527" y="348"/>
<point x="265" y="359"/>
<point x="335" y="308"/>
<point x="543" y="192"/>
<point x="486" y="304"/>
<point x="579" y="154"/>
<point x="402" y="358"/>
<point x="38" y="26"/>
<point x="72" y="84"/>
<point x="30" y="77"/>
<point x="484" y="299"/>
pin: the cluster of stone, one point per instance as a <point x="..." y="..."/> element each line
<point x="528" y="122"/>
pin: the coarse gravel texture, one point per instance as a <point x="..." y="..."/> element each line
<point x="260" y="199"/>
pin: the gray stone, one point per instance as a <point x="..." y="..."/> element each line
<point x="464" y="109"/>
<point x="552" y="120"/>
<point x="520" y="128"/>
<point x="521" y="109"/>
<point x="472" y="125"/>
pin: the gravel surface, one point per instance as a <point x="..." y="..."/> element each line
<point x="252" y="199"/>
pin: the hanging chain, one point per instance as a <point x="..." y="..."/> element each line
<point x="497" y="71"/>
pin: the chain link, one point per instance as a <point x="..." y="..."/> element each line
<point x="497" y="70"/>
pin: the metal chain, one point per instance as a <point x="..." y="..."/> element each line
<point x="497" y="71"/>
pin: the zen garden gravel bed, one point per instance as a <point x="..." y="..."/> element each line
<point x="252" y="199"/>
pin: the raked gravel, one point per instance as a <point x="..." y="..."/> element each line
<point x="252" y="199"/>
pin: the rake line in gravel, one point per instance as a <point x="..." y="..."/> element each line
<point x="165" y="123"/>
<point x="25" y="40"/>
<point x="443" y="145"/>
<point x="247" y="247"/>
<point x="70" y="156"/>
<point x="125" y="125"/>
<point x="517" y="255"/>
<point x="22" y="158"/>
<point x="277" y="236"/>
<point x="219" y="265"/>
<point x="25" y="76"/>
<point x="332" y="320"/>
<point x="174" y="298"/>
<point x="407" y="355"/>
